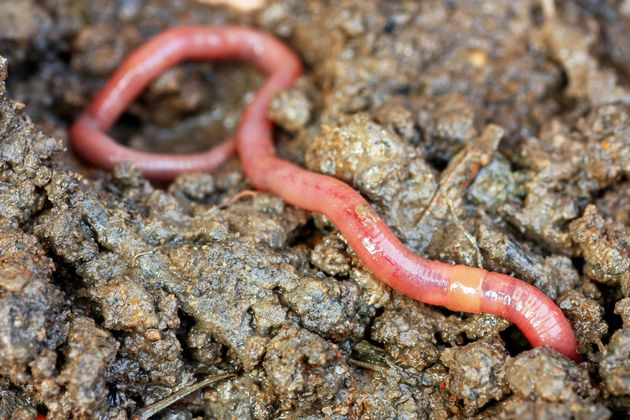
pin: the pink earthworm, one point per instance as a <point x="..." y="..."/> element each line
<point x="457" y="287"/>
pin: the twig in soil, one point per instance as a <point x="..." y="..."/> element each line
<point x="242" y="194"/>
<point x="140" y="254"/>
<point x="471" y="238"/>
<point x="600" y="345"/>
<point x="153" y="409"/>
<point x="232" y="200"/>
<point x="368" y="366"/>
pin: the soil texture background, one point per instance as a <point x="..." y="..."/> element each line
<point x="122" y="298"/>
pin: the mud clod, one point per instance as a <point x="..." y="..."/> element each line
<point x="605" y="247"/>
<point x="32" y="312"/>
<point x="543" y="374"/>
<point x="380" y="165"/>
<point x="90" y="351"/>
<point x="298" y="363"/>
<point x="408" y="332"/>
<point x="587" y="318"/>
<point x="291" y="110"/>
<point x="477" y="373"/>
<point x="615" y="366"/>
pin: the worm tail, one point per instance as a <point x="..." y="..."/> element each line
<point x="533" y="312"/>
<point x="459" y="288"/>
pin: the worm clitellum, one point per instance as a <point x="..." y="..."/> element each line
<point x="457" y="287"/>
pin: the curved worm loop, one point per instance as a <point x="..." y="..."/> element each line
<point x="165" y="50"/>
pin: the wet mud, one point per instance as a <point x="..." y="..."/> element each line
<point x="486" y="133"/>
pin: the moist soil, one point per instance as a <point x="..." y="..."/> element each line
<point x="487" y="133"/>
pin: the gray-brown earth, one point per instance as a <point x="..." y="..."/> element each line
<point x="116" y="293"/>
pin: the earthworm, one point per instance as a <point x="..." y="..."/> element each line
<point x="457" y="287"/>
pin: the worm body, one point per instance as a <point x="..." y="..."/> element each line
<point x="146" y="64"/>
<point x="456" y="287"/>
